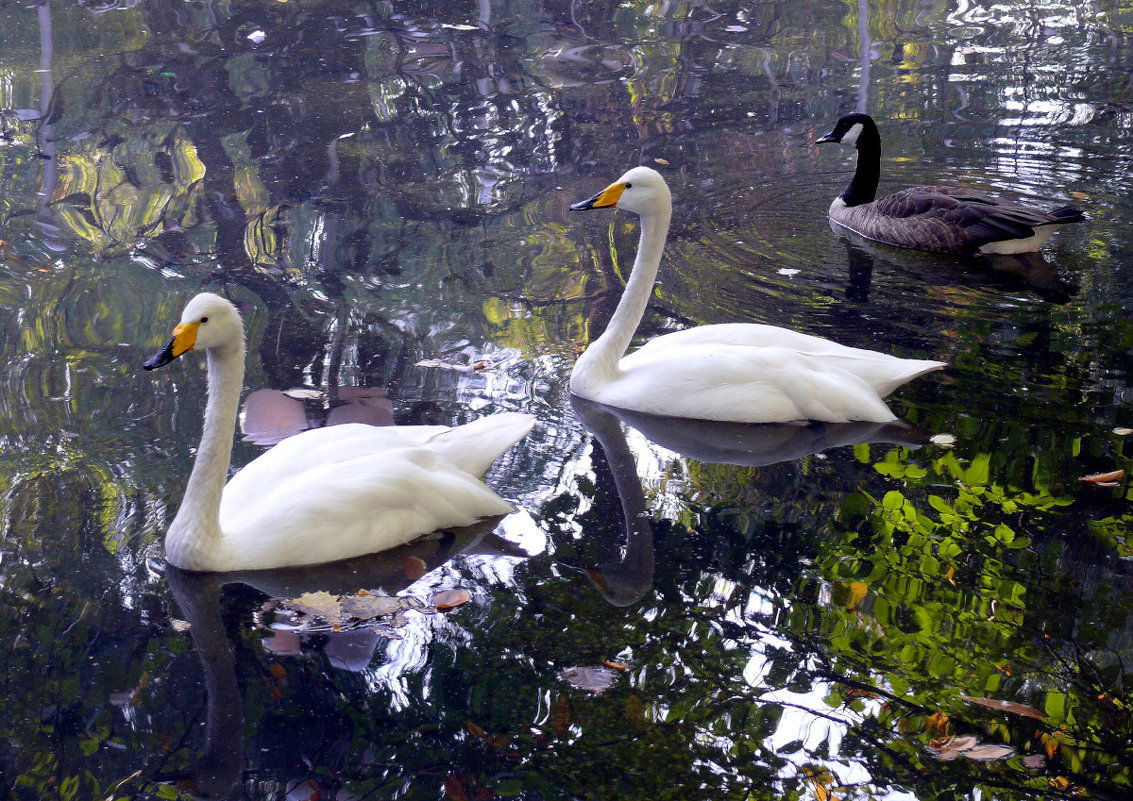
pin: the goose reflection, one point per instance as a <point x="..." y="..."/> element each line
<point x="624" y="576"/>
<point x="217" y="772"/>
<point x="1029" y="272"/>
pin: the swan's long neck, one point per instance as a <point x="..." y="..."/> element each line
<point x="863" y="186"/>
<point x="196" y="529"/>
<point x="599" y="362"/>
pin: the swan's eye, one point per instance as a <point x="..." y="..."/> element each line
<point x="629" y="185"/>
<point x="204" y="319"/>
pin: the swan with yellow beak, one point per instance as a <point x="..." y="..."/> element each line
<point x="736" y="372"/>
<point x="325" y="494"/>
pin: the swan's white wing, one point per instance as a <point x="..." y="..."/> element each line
<point x="349" y="490"/>
<point x="743" y="384"/>
<point x="322" y="446"/>
<point x="347" y="508"/>
<point x="880" y="370"/>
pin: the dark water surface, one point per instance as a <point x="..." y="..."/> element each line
<point x="800" y="612"/>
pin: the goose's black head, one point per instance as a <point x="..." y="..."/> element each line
<point x="852" y="130"/>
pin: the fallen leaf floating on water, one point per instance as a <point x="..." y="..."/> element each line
<point x="368" y="606"/>
<point x="615" y="665"/>
<point x="594" y="680"/>
<point x="943" y="440"/>
<point x="1109" y="479"/>
<point x="1122" y="431"/>
<point x="179" y="625"/>
<point x="1006" y="706"/>
<point x="321" y="611"/>
<point x="318" y="604"/>
<point x="451" y="599"/>
<point x="478" y="366"/>
<point x="970" y="748"/>
<point x="413" y="567"/>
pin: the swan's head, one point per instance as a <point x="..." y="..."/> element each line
<point x="209" y="321"/>
<point x="848" y="130"/>
<point x="641" y="190"/>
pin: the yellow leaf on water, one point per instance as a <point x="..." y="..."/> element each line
<point x="320" y="604"/>
<point x="949" y="573"/>
<point x="858" y="590"/>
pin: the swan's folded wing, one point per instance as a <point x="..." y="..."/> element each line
<point x="349" y="508"/>
<point x="743" y="384"/>
<point x="330" y="444"/>
<point x="880" y="370"/>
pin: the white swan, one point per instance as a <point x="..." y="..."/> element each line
<point x="744" y="373"/>
<point x="325" y="494"/>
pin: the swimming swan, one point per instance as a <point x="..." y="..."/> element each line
<point x="944" y="219"/>
<point x="739" y="372"/>
<point x="325" y="494"/>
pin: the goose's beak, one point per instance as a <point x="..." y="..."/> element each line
<point x="830" y="137"/>
<point x="183" y="339"/>
<point x="603" y="200"/>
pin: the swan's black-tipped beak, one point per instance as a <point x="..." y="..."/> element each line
<point x="586" y="205"/>
<point x="183" y="339"/>
<point x="605" y="199"/>
<point x="162" y="357"/>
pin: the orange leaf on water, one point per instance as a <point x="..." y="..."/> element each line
<point x="1006" y="706"/>
<point x="451" y="599"/>
<point x="413" y="567"/>
<point x="1104" y="478"/>
<point x="615" y="665"/>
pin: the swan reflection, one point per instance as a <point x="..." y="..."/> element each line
<point x="218" y="770"/>
<point x="624" y="572"/>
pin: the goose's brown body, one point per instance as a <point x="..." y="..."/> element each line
<point x="942" y="219"/>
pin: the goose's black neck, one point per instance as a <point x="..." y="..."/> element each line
<point x="863" y="186"/>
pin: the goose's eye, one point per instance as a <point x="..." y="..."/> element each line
<point x="204" y="319"/>
<point x="629" y="185"/>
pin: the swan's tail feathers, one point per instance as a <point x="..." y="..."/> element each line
<point x="474" y="446"/>
<point x="1068" y="214"/>
<point x="909" y="369"/>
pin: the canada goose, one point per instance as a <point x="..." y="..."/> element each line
<point x="325" y="494"/>
<point x="738" y="372"/>
<point x="943" y="219"/>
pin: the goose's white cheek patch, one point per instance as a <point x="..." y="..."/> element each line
<point x="850" y="138"/>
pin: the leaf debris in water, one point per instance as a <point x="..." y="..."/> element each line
<point x="451" y="599"/>
<point x="321" y="612"/>
<point x="1109" y="479"/>
<point x="970" y="748"/>
<point x="594" y="680"/>
<point x="1006" y="706"/>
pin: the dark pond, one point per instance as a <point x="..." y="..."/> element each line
<point x="382" y="188"/>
